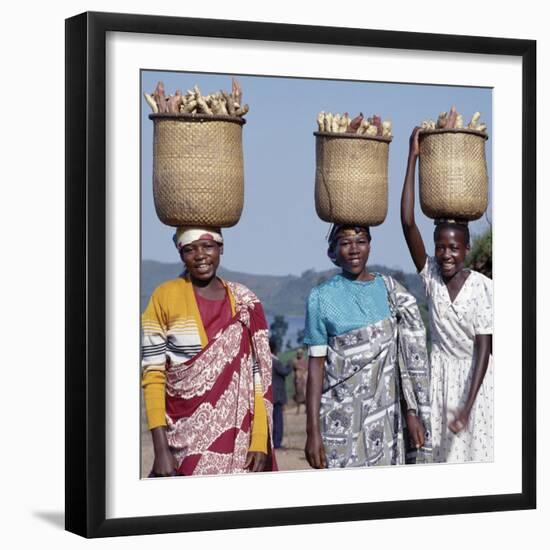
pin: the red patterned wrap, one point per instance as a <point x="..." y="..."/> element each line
<point x="210" y="398"/>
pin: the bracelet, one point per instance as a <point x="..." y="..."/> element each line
<point x="411" y="412"/>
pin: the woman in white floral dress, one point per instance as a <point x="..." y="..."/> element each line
<point x="460" y="304"/>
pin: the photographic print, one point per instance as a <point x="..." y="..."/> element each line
<point x="379" y="310"/>
<point x="277" y="249"/>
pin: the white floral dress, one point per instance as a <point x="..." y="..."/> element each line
<point x="454" y="326"/>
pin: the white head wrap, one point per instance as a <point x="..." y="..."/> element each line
<point x="187" y="235"/>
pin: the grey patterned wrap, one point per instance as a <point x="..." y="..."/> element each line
<point x="372" y="374"/>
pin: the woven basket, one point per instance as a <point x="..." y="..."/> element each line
<point x="351" y="178"/>
<point x="198" y="176"/>
<point x="453" y="173"/>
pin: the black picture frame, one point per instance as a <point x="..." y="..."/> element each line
<point x="86" y="273"/>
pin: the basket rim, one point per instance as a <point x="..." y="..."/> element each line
<point x="201" y="117"/>
<point x="352" y="136"/>
<point x="426" y="132"/>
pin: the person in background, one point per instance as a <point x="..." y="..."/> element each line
<point x="299" y="366"/>
<point x="461" y="319"/>
<point x="206" y="368"/>
<point x="280" y="372"/>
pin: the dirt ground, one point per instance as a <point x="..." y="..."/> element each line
<point x="290" y="457"/>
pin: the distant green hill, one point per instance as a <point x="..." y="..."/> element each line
<point x="280" y="295"/>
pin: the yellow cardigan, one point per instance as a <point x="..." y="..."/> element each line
<point x="183" y="319"/>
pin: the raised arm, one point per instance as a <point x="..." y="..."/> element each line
<point x="410" y="229"/>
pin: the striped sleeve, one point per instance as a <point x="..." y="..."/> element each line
<point x="258" y="437"/>
<point x="154" y="394"/>
<point x="154" y="329"/>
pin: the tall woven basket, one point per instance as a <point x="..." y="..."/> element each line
<point x="351" y="178"/>
<point x="198" y="176"/>
<point x="453" y="173"/>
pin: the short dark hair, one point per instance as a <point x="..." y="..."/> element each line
<point x="456" y="226"/>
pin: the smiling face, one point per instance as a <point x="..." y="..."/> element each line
<point x="450" y="251"/>
<point x="201" y="258"/>
<point x="352" y="250"/>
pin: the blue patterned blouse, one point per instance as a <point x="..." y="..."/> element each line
<point x="340" y="305"/>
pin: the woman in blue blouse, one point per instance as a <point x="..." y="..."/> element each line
<point x="368" y="366"/>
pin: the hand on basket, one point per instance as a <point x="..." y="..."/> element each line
<point x="414" y="148"/>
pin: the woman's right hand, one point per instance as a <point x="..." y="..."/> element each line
<point x="315" y="451"/>
<point x="164" y="464"/>
<point x="414" y="149"/>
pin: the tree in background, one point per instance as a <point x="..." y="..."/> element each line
<point x="300" y="337"/>
<point x="278" y="329"/>
<point x="480" y="257"/>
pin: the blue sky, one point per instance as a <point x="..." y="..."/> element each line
<point x="279" y="232"/>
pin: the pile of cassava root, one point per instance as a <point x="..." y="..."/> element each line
<point x="343" y="124"/>
<point x="194" y="103"/>
<point x="454" y="120"/>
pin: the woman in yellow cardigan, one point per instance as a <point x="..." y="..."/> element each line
<point x="206" y="368"/>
